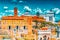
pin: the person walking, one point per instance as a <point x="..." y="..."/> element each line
<point x="40" y="38"/>
<point x="44" y="37"/>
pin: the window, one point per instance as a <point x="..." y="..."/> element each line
<point x="33" y="31"/>
<point x="50" y="18"/>
<point x="24" y="27"/>
<point x="17" y="27"/>
<point x="58" y="31"/>
<point x="9" y="27"/>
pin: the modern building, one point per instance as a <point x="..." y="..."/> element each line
<point x="50" y="16"/>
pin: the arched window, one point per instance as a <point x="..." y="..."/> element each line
<point x="17" y="27"/>
<point x="33" y="31"/>
<point x="24" y="27"/>
<point x="9" y="27"/>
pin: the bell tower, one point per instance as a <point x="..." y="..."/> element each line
<point x="15" y="11"/>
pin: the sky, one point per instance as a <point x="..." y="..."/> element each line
<point x="43" y="6"/>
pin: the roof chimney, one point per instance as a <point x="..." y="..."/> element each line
<point x="15" y="11"/>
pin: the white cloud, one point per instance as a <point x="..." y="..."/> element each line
<point x="38" y="9"/>
<point x="5" y="7"/>
<point x="48" y="11"/>
<point x="19" y="14"/>
<point x="27" y="8"/>
<point x="11" y="11"/>
<point x="34" y="10"/>
<point x="18" y="11"/>
<point x="3" y="14"/>
<point x="57" y="10"/>
<point x="10" y="15"/>
<point x="0" y="16"/>
<point x="6" y="10"/>
<point x="20" y="1"/>
<point x="0" y="13"/>
<point x="44" y="9"/>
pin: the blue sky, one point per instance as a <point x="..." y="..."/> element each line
<point x="7" y="6"/>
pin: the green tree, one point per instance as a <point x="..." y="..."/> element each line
<point x="38" y="14"/>
<point x="36" y="24"/>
